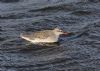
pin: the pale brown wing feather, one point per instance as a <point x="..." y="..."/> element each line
<point x="40" y="34"/>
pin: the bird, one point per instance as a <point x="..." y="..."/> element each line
<point x="44" y="36"/>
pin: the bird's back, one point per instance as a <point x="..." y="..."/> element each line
<point x="39" y="34"/>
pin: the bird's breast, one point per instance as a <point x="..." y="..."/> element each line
<point x="46" y="40"/>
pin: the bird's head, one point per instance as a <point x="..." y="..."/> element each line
<point x="58" y="31"/>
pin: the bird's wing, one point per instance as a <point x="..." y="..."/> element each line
<point x="42" y="34"/>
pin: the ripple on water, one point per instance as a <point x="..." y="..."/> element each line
<point x="9" y="1"/>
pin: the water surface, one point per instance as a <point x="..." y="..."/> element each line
<point x="79" y="52"/>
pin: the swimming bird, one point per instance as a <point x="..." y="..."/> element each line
<point x="45" y="36"/>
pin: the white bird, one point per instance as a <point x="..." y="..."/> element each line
<point x="45" y="36"/>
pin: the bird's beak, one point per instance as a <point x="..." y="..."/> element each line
<point x="66" y="33"/>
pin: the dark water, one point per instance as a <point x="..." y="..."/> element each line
<point x="79" y="52"/>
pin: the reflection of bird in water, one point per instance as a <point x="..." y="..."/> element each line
<point x="45" y="36"/>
